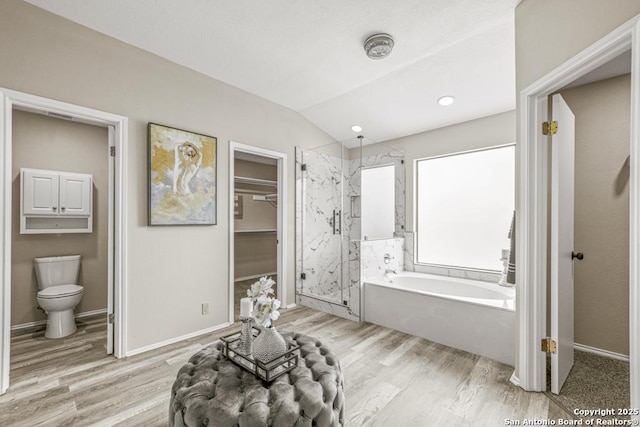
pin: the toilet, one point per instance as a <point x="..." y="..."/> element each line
<point x="59" y="292"/>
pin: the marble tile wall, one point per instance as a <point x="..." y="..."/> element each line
<point x="372" y="257"/>
<point x="354" y="276"/>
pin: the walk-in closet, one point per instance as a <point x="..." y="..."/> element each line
<point x="255" y="221"/>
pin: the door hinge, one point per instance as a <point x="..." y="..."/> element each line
<point x="303" y="276"/>
<point x="112" y="151"/>
<point x="111" y="318"/>
<point x="549" y="128"/>
<point x="303" y="167"/>
<point x="548" y="345"/>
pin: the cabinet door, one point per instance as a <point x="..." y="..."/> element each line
<point x="75" y="194"/>
<point x="40" y="193"/>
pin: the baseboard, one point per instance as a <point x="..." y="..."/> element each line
<point x="176" y="339"/>
<point x="514" y="380"/>
<point x="91" y="313"/>
<point x="601" y="352"/>
<point x="255" y="276"/>
<point x="44" y="322"/>
<point x="291" y="305"/>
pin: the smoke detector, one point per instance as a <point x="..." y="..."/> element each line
<point x="378" y="46"/>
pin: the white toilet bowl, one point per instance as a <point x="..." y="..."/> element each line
<point x="59" y="302"/>
<point x="59" y="293"/>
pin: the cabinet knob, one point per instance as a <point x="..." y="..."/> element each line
<point x="54" y="208"/>
<point x="62" y="208"/>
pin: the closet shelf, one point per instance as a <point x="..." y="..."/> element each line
<point x="266" y="198"/>
<point x="254" y="181"/>
<point x="263" y="231"/>
<point x="259" y="192"/>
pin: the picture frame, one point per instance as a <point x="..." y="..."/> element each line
<point x="182" y="177"/>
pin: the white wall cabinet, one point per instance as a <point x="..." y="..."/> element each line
<point x="55" y="202"/>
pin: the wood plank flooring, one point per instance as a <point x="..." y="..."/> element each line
<point x="391" y="379"/>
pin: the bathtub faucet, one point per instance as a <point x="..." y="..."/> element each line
<point x="389" y="271"/>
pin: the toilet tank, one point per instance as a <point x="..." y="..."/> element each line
<point x="57" y="270"/>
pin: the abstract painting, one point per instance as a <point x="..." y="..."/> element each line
<point x="182" y="177"/>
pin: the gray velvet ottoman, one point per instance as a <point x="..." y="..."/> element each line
<point x="212" y="391"/>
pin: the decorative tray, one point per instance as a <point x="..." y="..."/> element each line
<point x="267" y="371"/>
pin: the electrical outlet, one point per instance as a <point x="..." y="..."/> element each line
<point x="205" y="308"/>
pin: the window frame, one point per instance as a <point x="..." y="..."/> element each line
<point x="416" y="192"/>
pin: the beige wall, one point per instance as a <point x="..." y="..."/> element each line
<point x="549" y="32"/>
<point x="42" y="142"/>
<point x="255" y="253"/>
<point x="601" y="314"/>
<point x="485" y="132"/>
<point x="49" y="56"/>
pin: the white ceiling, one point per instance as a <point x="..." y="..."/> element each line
<point x="308" y="56"/>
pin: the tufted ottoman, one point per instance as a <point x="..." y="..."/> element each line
<point x="212" y="391"/>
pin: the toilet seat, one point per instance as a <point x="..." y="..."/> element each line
<point x="60" y="291"/>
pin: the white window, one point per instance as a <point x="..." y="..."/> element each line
<point x="465" y="203"/>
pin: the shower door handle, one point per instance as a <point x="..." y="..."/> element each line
<point x="336" y="221"/>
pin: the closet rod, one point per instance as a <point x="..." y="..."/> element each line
<point x="243" y="191"/>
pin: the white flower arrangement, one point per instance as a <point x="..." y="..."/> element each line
<point x="266" y="310"/>
<point x="262" y="288"/>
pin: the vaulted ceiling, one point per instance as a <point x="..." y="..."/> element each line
<point x="309" y="56"/>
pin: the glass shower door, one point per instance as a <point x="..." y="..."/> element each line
<point x="321" y="213"/>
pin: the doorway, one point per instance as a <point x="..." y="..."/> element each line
<point x="532" y="208"/>
<point x="592" y="145"/>
<point x="43" y="147"/>
<point x="257" y="221"/>
<point x="116" y="130"/>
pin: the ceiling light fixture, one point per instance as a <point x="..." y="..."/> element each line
<point x="356" y="128"/>
<point x="446" y="100"/>
<point x="378" y="46"/>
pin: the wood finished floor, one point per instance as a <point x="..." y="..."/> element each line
<point x="391" y="379"/>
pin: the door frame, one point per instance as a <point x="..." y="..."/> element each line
<point x="118" y="136"/>
<point x="531" y="232"/>
<point x="281" y="233"/>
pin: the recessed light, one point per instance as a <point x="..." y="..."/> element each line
<point x="356" y="128"/>
<point x="446" y="100"/>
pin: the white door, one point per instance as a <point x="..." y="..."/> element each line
<point x="562" y="186"/>
<point x="40" y="192"/>
<point x="75" y="194"/>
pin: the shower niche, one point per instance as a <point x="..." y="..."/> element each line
<point x="346" y="194"/>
